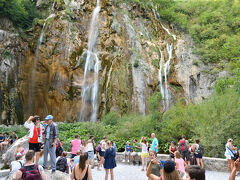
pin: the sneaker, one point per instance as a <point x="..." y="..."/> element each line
<point x="53" y="171"/>
<point x="142" y="169"/>
<point x="128" y="161"/>
<point x="123" y="160"/>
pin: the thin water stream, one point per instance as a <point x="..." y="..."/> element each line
<point x="91" y="68"/>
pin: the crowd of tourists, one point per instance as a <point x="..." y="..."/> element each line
<point x="185" y="161"/>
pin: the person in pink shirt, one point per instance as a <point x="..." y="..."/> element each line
<point x="180" y="166"/>
<point x="76" y="143"/>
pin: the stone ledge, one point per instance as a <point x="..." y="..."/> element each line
<point x="211" y="164"/>
<point x="4" y="173"/>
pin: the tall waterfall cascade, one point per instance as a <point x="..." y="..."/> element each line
<point x="166" y="71"/>
<point x="90" y="90"/>
<point x="32" y="80"/>
<point x="166" y="67"/>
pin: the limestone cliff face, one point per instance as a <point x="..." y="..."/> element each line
<point x="11" y="51"/>
<point x="48" y="74"/>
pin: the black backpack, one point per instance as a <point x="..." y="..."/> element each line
<point x="200" y="149"/>
<point x="59" y="150"/>
<point x="62" y="164"/>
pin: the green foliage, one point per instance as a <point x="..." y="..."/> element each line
<point x="111" y="119"/>
<point x="214" y="25"/>
<point x="20" y="131"/>
<point x="21" y="12"/>
<point x="155" y="63"/>
<point x="136" y="63"/>
<point x="154" y="102"/>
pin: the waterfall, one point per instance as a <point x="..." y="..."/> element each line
<point x="167" y="30"/>
<point x="107" y="83"/>
<point x="157" y="17"/>
<point x="166" y="71"/>
<point x="90" y="90"/>
<point x="32" y="80"/>
<point x="160" y="73"/>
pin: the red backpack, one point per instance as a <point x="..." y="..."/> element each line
<point x="183" y="146"/>
<point x="30" y="173"/>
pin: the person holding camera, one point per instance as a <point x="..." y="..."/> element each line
<point x="35" y="134"/>
<point x="51" y="137"/>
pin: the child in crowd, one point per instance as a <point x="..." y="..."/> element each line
<point x="18" y="150"/>
<point x="179" y="164"/>
<point x="75" y="160"/>
<point x="14" y="137"/>
<point x="127" y="151"/>
<point x="16" y="165"/>
<point x="41" y="158"/>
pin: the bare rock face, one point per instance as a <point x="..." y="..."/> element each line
<point x="195" y="77"/>
<point x="8" y="156"/>
<point x="10" y="56"/>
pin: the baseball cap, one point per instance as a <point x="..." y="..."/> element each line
<point x="169" y="166"/>
<point x="48" y="117"/>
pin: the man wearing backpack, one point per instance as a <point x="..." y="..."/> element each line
<point x="183" y="148"/>
<point x="198" y="150"/>
<point x="51" y="137"/>
<point x="62" y="163"/>
<point x="30" y="171"/>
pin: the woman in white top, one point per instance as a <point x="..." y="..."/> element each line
<point x="90" y="152"/>
<point x="229" y="153"/>
<point x="84" y="146"/>
<point x="144" y="153"/>
<point x="35" y="134"/>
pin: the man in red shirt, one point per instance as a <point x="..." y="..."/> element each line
<point x="35" y="134"/>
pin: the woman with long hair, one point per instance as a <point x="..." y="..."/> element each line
<point x="180" y="165"/>
<point x="169" y="171"/>
<point x="82" y="171"/>
<point x="229" y="153"/>
<point x="84" y="146"/>
<point x="110" y="161"/>
<point x="144" y="154"/>
<point x="197" y="154"/>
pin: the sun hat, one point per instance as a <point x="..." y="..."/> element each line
<point x="48" y="117"/>
<point x="169" y="166"/>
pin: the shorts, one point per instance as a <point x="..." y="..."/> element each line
<point x="185" y="155"/>
<point x="36" y="147"/>
<point x="198" y="156"/>
<point x="144" y="155"/>
<point x="91" y="155"/>
<point x="102" y="153"/>
<point x="228" y="156"/>
<point x="136" y="154"/>
<point x="172" y="156"/>
<point x="127" y="153"/>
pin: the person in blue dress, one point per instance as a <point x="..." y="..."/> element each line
<point x="110" y="161"/>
